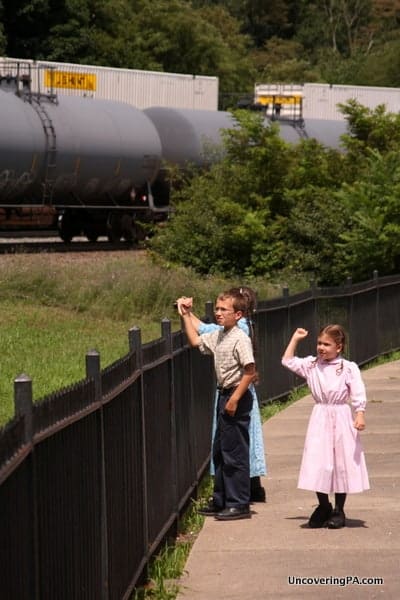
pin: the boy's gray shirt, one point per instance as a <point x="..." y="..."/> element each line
<point x="232" y="351"/>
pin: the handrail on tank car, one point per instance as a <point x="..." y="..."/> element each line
<point x="18" y="74"/>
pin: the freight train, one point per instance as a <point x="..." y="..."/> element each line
<point x="98" y="167"/>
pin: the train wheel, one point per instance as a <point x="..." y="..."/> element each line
<point x="65" y="226"/>
<point x="128" y="228"/>
<point x="91" y="234"/>
<point x="114" y="231"/>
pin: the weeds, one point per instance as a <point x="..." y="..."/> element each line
<point x="381" y="360"/>
<point x="168" y="566"/>
<point x="272" y="408"/>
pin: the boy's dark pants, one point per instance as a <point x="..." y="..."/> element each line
<point x="231" y="453"/>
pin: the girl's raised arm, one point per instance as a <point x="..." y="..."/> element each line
<point x="298" y="335"/>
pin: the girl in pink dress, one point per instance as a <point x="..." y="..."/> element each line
<point x="333" y="459"/>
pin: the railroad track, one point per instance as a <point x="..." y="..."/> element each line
<point x="32" y="245"/>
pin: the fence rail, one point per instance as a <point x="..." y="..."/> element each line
<point x="94" y="477"/>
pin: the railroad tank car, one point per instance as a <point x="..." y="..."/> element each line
<point x="98" y="162"/>
<point x="188" y="138"/>
<point x="101" y="164"/>
<point x="73" y="153"/>
<point x="326" y="132"/>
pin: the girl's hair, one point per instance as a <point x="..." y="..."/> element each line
<point x="244" y="299"/>
<point x="338" y="335"/>
<point x="336" y="332"/>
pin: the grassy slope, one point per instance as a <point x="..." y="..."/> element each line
<point x="56" y="307"/>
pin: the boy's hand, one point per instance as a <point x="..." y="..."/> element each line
<point x="231" y="406"/>
<point x="184" y="305"/>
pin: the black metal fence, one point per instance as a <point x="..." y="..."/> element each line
<point x="369" y="311"/>
<point x="94" y="477"/>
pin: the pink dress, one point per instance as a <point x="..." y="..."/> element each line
<point x="333" y="458"/>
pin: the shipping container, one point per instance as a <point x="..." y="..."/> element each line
<point x="320" y="100"/>
<point x="282" y="101"/>
<point x="142" y="89"/>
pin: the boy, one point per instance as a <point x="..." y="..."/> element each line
<point x="235" y="370"/>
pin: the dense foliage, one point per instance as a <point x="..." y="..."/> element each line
<point x="240" y="41"/>
<point x="270" y="207"/>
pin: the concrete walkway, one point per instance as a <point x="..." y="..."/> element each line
<point x="274" y="555"/>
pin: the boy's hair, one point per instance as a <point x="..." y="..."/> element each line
<point x="243" y="298"/>
<point x="336" y="332"/>
<point x="238" y="300"/>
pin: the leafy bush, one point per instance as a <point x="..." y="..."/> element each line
<point x="269" y="208"/>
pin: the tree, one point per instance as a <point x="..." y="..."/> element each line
<point x="2" y="36"/>
<point x="226" y="220"/>
<point x="372" y="238"/>
<point x="283" y="61"/>
<point x="25" y="25"/>
<point x="96" y="32"/>
<point x="205" y="41"/>
<point x="372" y="198"/>
<point x="238" y="217"/>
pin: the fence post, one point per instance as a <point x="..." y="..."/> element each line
<point x="93" y="371"/>
<point x="352" y="341"/>
<point x="23" y="404"/>
<point x="375" y="276"/>
<point x="167" y="335"/>
<point x="314" y="294"/>
<point x="209" y="311"/>
<point x="23" y="407"/>
<point x="285" y="295"/>
<point x="135" y="344"/>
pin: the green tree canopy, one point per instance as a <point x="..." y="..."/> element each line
<point x="269" y="208"/>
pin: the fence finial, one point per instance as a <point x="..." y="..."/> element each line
<point x="23" y="402"/>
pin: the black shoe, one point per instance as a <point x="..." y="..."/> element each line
<point x="258" y="495"/>
<point x="320" y="516"/>
<point x="233" y="513"/>
<point x="209" y="509"/>
<point x="337" y="519"/>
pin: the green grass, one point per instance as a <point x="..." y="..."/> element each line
<point x="272" y="408"/>
<point x="50" y="346"/>
<point x="55" y="308"/>
<point x="167" y="567"/>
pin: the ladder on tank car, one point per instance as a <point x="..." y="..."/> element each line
<point x="51" y="147"/>
<point x="20" y="75"/>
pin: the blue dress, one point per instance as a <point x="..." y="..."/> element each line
<point x="257" y="456"/>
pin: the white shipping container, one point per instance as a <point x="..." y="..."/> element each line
<point x="320" y="101"/>
<point x="142" y="89"/>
